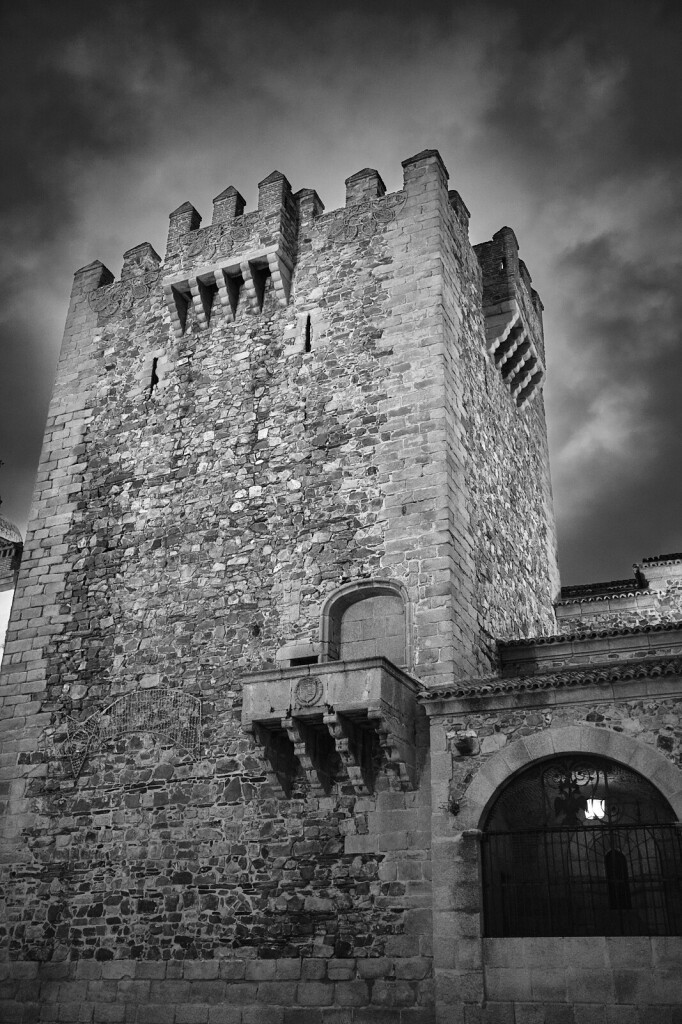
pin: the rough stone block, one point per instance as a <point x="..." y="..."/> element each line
<point x="12" y="1012"/>
<point x="497" y="1013"/>
<point x="314" y="993"/>
<point x="666" y="950"/>
<point x="172" y="990"/>
<point x="589" y="1013"/>
<point x="191" y="1013"/>
<point x="629" y="951"/>
<point x="224" y="1015"/>
<point x="504" y="984"/>
<point x="263" y="1015"/>
<point x="548" y="984"/>
<point x="313" y="969"/>
<point x="337" y="1015"/>
<point x="259" y="970"/>
<point x="201" y="969"/>
<point x="156" y="1013"/>
<point x="232" y="970"/>
<point x="393" y="993"/>
<point x="589" y="986"/>
<point x="118" y="969"/>
<point x="558" y="1013"/>
<point x="413" y="968"/>
<point x="418" y="1015"/>
<point x="288" y="969"/>
<point x="283" y="992"/>
<point x="302" y="1015"/>
<point x="529" y="1013"/>
<point x="375" y="967"/>
<point x="621" y="1014"/>
<point x="110" y="1013"/>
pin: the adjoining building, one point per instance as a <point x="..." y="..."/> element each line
<point x="11" y="546"/>
<point x="299" y="726"/>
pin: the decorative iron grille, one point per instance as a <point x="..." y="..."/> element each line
<point x="601" y="880"/>
<point x="577" y="790"/>
<point x="581" y="845"/>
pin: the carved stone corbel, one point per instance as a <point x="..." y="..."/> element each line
<point x="398" y="749"/>
<point x="353" y="746"/>
<point x="310" y="752"/>
<point x="279" y="754"/>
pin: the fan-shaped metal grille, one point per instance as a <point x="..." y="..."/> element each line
<point x="582" y="846"/>
<point x="574" y="791"/>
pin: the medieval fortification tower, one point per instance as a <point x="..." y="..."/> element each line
<point x="284" y="655"/>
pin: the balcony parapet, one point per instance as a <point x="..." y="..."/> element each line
<point x="347" y="722"/>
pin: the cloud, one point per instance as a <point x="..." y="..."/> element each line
<point x="561" y="120"/>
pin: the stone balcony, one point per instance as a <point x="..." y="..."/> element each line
<point x="347" y="722"/>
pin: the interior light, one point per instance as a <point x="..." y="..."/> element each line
<point x="595" y="809"/>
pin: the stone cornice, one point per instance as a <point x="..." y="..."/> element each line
<point x="612" y="595"/>
<point x="594" y="676"/>
<point x="592" y="634"/>
<point x="609" y="586"/>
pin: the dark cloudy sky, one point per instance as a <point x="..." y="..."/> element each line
<point x="559" y="119"/>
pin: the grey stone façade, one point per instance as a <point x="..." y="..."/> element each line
<point x="292" y="538"/>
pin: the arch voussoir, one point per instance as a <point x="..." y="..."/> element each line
<point x="508" y="761"/>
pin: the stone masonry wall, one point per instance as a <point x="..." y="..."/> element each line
<point x="208" y="479"/>
<point x="506" y="466"/>
<point x="633" y="610"/>
<point x="652" y="598"/>
<point x="212" y="509"/>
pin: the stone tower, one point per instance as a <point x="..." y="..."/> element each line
<point x="293" y="477"/>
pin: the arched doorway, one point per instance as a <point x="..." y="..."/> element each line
<point x="581" y="845"/>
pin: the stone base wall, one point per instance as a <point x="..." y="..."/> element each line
<point x="234" y="991"/>
<point x="589" y="979"/>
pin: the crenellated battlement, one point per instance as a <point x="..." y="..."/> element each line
<point x="230" y="264"/>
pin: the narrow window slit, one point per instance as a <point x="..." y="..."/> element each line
<point x="308" y="346"/>
<point x="154" y="379"/>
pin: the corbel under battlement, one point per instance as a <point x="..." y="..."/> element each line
<point x="224" y="281"/>
<point x="510" y="345"/>
<point x="513" y="316"/>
